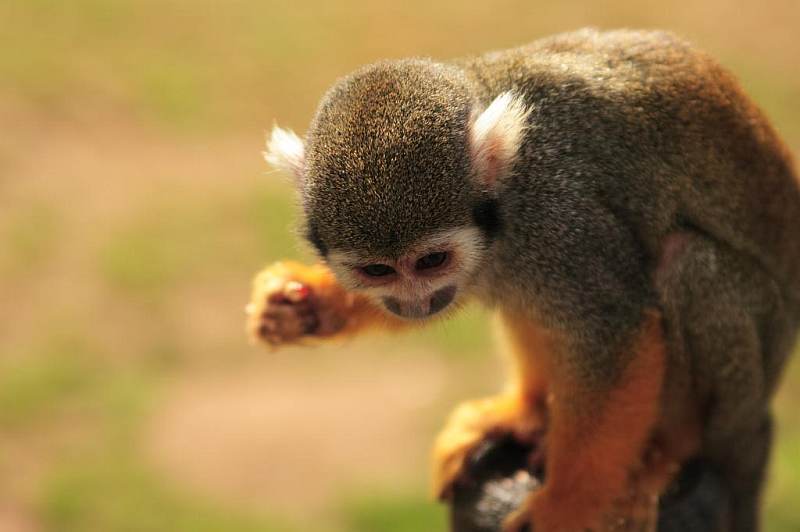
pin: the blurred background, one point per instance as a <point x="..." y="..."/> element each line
<point x="135" y="207"/>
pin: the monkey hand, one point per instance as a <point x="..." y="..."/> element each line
<point x="474" y="423"/>
<point x="293" y="302"/>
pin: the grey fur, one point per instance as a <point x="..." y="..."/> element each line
<point x="633" y="136"/>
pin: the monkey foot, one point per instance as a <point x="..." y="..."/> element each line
<point x="471" y="426"/>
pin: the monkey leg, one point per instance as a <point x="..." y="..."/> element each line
<point x="475" y="422"/>
<point x="519" y="412"/>
<point x="694" y="502"/>
<point x="736" y="328"/>
<point x="744" y="465"/>
<point x="594" y="442"/>
<point x="292" y="302"/>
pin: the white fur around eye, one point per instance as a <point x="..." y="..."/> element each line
<point x="466" y="243"/>
<point x="341" y="264"/>
<point x="496" y="136"/>
<point x="285" y="151"/>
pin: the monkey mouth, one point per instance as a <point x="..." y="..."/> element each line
<point x="424" y="308"/>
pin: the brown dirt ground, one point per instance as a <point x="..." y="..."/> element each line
<point x="292" y="434"/>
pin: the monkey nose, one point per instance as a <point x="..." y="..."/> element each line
<point x="421" y="308"/>
<point x="441" y="298"/>
<point x="407" y="309"/>
<point x="393" y="305"/>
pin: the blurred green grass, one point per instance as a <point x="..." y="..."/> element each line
<point x="30" y="237"/>
<point x="393" y="511"/>
<point x="169" y="244"/>
<point x="116" y="238"/>
<point x="53" y="377"/>
<point x="109" y="493"/>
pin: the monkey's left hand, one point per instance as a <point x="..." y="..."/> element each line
<point x="292" y="302"/>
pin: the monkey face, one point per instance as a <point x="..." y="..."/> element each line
<point x="423" y="281"/>
<point x="399" y="178"/>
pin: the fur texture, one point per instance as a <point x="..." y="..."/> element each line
<point x="620" y="186"/>
<point x="285" y="151"/>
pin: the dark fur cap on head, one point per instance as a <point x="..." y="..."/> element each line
<point x="392" y="138"/>
<point x="400" y="150"/>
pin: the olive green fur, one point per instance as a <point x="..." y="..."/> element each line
<point x="631" y="137"/>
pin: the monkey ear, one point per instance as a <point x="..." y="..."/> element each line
<point x="285" y="151"/>
<point x="495" y="137"/>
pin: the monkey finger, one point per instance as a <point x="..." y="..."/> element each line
<point x="310" y="322"/>
<point x="307" y="317"/>
<point x="289" y="321"/>
<point x="267" y="328"/>
<point x="284" y="311"/>
<point x="277" y="298"/>
<point x="273" y="340"/>
<point x="282" y="322"/>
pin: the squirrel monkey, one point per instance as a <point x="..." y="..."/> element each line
<point x="622" y="205"/>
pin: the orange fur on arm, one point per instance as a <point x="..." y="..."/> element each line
<point x="595" y="440"/>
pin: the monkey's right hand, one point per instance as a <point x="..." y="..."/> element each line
<point x="292" y="302"/>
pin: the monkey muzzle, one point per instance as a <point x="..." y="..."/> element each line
<point x="423" y="308"/>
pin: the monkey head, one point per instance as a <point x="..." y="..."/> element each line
<point x="398" y="178"/>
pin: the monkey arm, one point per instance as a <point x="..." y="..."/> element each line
<point x="594" y="434"/>
<point x="596" y="439"/>
<point x="293" y="302"/>
<point x="519" y="411"/>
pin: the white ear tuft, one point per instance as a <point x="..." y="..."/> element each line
<point x="285" y="151"/>
<point x="496" y="136"/>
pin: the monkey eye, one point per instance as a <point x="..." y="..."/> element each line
<point x="431" y="260"/>
<point x="377" y="270"/>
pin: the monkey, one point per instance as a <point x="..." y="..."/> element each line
<point x="620" y="204"/>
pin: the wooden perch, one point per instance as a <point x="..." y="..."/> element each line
<point x="499" y="481"/>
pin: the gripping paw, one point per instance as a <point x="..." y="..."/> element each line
<point x="472" y="424"/>
<point x="519" y="521"/>
<point x="290" y="303"/>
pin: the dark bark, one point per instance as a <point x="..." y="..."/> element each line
<point x="499" y="481"/>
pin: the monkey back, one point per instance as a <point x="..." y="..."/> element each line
<point x="659" y="133"/>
